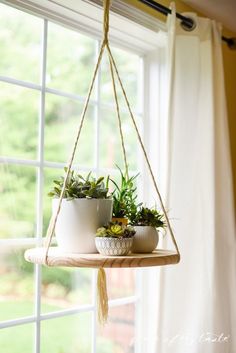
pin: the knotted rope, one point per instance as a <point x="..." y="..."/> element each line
<point x="101" y="279"/>
<point x="106" y="5"/>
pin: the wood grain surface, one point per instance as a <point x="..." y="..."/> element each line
<point x="56" y="257"/>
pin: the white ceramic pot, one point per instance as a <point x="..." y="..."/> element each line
<point x="78" y="221"/>
<point x="145" y="239"/>
<point x="113" y="246"/>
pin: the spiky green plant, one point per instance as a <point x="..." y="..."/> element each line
<point x="124" y="196"/>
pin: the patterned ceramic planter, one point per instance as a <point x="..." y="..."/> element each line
<point x="113" y="246"/>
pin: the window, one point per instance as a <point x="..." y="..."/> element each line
<point x="45" y="70"/>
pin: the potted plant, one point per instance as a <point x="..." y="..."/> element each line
<point x="124" y="198"/>
<point x="86" y="205"/>
<point x="114" y="239"/>
<point x="146" y="221"/>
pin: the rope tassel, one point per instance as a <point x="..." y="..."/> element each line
<point x="102" y="298"/>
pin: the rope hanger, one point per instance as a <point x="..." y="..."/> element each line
<point x="102" y="292"/>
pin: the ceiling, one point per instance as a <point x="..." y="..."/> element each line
<point x="223" y="11"/>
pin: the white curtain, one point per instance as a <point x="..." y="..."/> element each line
<point x="197" y="311"/>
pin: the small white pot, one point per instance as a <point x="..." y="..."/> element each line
<point x="78" y="221"/>
<point x="113" y="246"/>
<point x="145" y="239"/>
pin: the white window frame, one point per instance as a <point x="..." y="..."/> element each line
<point x="86" y="18"/>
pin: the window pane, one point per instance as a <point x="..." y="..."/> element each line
<point x="62" y="122"/>
<point x="129" y="70"/>
<point x="17" y="201"/>
<point x="120" y="282"/>
<point x="118" y="336"/>
<point x="67" y="335"/>
<point x="63" y="288"/>
<point x="71" y="60"/>
<point x="110" y="142"/>
<point x="18" y="121"/>
<point x="20" y="43"/>
<point x="16" y="285"/>
<point x="18" y="339"/>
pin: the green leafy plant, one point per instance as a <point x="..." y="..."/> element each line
<point x="78" y="187"/>
<point x="147" y="217"/>
<point x="124" y="196"/>
<point x="115" y="230"/>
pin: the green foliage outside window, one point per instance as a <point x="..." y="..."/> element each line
<point x="70" y="61"/>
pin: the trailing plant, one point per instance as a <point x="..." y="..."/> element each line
<point x="124" y="196"/>
<point x="115" y="230"/>
<point x="147" y="217"/>
<point x="78" y="187"/>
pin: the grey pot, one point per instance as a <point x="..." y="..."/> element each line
<point x="145" y="239"/>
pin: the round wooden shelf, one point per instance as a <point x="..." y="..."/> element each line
<point x="56" y="257"/>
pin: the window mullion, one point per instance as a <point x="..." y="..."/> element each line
<point x="97" y="166"/>
<point x="98" y="110"/>
<point x="94" y="316"/>
<point x="40" y="181"/>
<point x="41" y="139"/>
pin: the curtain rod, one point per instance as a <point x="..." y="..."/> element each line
<point x="186" y="22"/>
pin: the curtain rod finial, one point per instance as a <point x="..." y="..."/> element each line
<point x="231" y="42"/>
<point x="188" y="24"/>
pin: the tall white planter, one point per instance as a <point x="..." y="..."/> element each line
<point x="78" y="221"/>
<point x="145" y="239"/>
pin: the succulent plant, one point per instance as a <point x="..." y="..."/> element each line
<point x="115" y="230"/>
<point x="148" y="217"/>
<point x="78" y="187"/>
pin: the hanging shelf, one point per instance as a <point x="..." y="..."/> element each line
<point x="53" y="256"/>
<point x="57" y="257"/>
